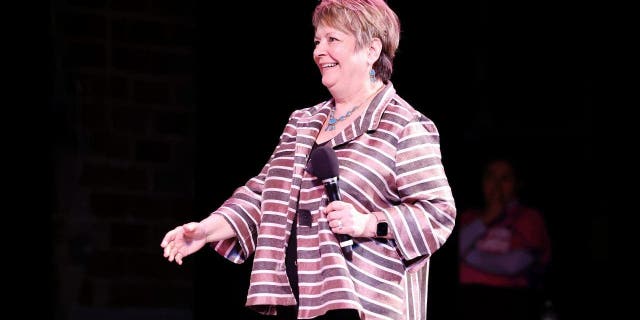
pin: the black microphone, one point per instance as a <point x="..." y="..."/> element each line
<point x="324" y="165"/>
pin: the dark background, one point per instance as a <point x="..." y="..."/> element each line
<point x="521" y="78"/>
<point x="518" y="79"/>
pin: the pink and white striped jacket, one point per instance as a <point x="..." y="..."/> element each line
<point x="390" y="161"/>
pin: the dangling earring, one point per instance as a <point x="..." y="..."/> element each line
<point x="372" y="75"/>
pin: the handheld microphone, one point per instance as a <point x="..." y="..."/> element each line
<point x="324" y="163"/>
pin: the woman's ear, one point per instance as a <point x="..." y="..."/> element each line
<point x="374" y="50"/>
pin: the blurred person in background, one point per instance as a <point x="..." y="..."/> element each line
<point x="504" y="250"/>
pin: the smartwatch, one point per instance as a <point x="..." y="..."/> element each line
<point x="382" y="229"/>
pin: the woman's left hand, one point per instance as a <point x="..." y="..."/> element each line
<point x="345" y="219"/>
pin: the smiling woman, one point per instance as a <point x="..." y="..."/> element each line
<point x="395" y="201"/>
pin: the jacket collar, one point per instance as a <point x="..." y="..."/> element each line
<point x="367" y="121"/>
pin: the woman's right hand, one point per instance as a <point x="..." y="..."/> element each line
<point x="183" y="241"/>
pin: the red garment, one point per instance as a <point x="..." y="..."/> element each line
<point x="521" y="228"/>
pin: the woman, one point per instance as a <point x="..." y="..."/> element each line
<point x="396" y="203"/>
<point x="504" y="249"/>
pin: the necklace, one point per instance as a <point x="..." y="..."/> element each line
<point x="333" y="120"/>
<point x="331" y="125"/>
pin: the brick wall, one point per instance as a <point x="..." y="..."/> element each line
<point x="123" y="156"/>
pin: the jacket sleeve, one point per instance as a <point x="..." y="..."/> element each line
<point x="243" y="208"/>
<point x="425" y="218"/>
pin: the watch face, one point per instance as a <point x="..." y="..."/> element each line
<point x="382" y="229"/>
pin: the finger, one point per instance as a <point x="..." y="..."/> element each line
<point x="168" y="238"/>
<point x="167" y="249"/>
<point x="171" y="235"/>
<point x="179" y="258"/>
<point x="334" y="206"/>
<point x="336" y="215"/>
<point x="172" y="254"/>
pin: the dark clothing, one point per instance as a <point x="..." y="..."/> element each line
<point x="290" y="260"/>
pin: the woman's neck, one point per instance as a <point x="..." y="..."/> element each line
<point x="358" y="97"/>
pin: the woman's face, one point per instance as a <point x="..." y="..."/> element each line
<point x="499" y="182"/>
<point x="341" y="64"/>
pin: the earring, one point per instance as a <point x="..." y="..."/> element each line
<point x="372" y="75"/>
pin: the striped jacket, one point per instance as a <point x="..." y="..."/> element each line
<point x="390" y="162"/>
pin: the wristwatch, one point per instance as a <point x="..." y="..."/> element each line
<point x="382" y="227"/>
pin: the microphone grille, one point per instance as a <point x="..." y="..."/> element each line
<point x="324" y="162"/>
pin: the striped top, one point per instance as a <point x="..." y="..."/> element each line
<point x="390" y="162"/>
